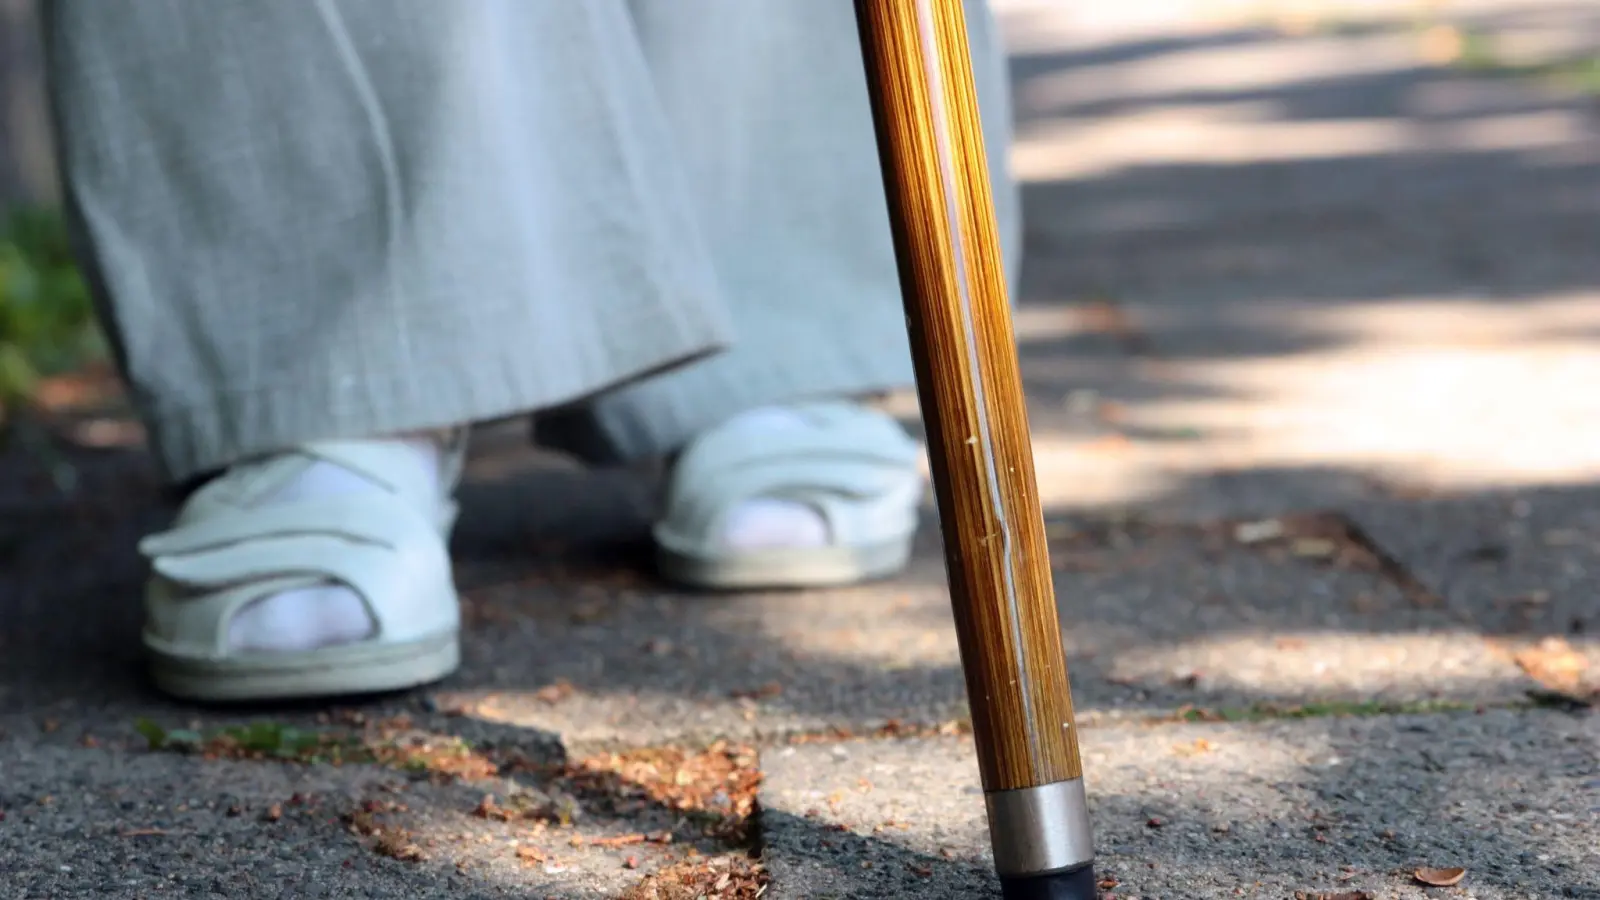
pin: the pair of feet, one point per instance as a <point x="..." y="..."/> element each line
<point x="323" y="570"/>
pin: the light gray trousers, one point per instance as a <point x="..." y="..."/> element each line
<point x="314" y="219"/>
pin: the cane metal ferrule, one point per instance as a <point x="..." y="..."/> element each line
<point x="1039" y="830"/>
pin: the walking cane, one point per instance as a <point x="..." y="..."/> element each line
<point x="930" y="142"/>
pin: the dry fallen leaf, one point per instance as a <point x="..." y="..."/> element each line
<point x="531" y="854"/>
<point x="1314" y="548"/>
<point x="1554" y="664"/>
<point x="396" y="844"/>
<point x="1258" y="532"/>
<point x="1111" y="444"/>
<point x="770" y="689"/>
<point x="1201" y="745"/>
<point x="555" y="693"/>
<point x="1105" y="316"/>
<point x="1440" y="877"/>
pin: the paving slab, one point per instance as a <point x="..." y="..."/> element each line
<point x="1521" y="563"/>
<point x="98" y="823"/>
<point x="108" y="817"/>
<point x="1262" y="810"/>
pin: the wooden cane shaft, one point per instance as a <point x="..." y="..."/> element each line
<point x="919" y="73"/>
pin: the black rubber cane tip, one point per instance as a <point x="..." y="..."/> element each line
<point x="1072" y="884"/>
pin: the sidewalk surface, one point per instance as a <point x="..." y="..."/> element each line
<point x="1311" y="327"/>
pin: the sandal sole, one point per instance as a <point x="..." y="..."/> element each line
<point x="781" y="569"/>
<point x="329" y="672"/>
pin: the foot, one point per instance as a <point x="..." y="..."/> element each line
<point x="806" y="495"/>
<point x="319" y="571"/>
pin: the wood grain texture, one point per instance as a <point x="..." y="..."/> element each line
<point x="924" y="102"/>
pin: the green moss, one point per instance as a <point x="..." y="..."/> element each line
<point x="1260" y="712"/>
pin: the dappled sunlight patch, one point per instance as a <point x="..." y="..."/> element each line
<point x="1449" y="392"/>
<point x="1454" y="665"/>
<point x="1201" y="73"/>
<point x="1469" y="416"/>
<point x="602" y="715"/>
<point x="1074" y="473"/>
<point x="1187" y="135"/>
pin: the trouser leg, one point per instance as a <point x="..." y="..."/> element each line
<point x="767" y="107"/>
<point x="332" y="218"/>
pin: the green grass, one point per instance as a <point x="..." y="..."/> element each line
<point x="47" y="323"/>
<point x="1480" y="55"/>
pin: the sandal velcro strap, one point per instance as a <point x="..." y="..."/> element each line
<point x="838" y="458"/>
<point x="383" y="545"/>
<point x="371" y="520"/>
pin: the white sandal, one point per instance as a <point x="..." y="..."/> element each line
<point x="224" y="553"/>
<point x="855" y="466"/>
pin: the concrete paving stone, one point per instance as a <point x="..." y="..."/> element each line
<point x="1261" y="810"/>
<point x="1520" y="563"/>
<point x="98" y="823"/>
<point x="117" y="820"/>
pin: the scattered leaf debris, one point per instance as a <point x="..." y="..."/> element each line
<point x="715" y="787"/>
<point x="527" y="806"/>
<point x="1440" y="877"/>
<point x="732" y="877"/>
<point x="387" y="839"/>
